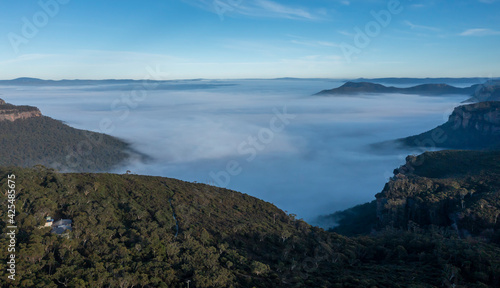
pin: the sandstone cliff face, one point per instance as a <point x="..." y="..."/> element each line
<point x="483" y="117"/>
<point x="11" y="112"/>
<point x="462" y="194"/>
<point x="13" y="115"/>
<point x="473" y="126"/>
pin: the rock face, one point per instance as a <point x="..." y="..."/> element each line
<point x="453" y="189"/>
<point x="483" y="117"/>
<point x="11" y="112"/>
<point x="489" y="91"/>
<point x="473" y="126"/>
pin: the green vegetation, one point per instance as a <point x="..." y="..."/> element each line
<point x="9" y="107"/>
<point x="457" y="190"/>
<point x="452" y="190"/>
<point x="124" y="235"/>
<point x="43" y="140"/>
<point x="358" y="220"/>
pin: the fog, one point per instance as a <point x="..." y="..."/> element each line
<point x="309" y="155"/>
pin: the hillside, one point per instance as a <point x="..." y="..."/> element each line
<point x="28" y="138"/>
<point x="454" y="190"/>
<point x="350" y="88"/>
<point x="141" y="231"/>
<point x="473" y="126"/>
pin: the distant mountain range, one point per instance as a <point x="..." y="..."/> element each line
<point x="120" y="84"/>
<point x="423" y="89"/>
<point x="417" y="81"/>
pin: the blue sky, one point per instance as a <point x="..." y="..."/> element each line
<point x="183" y="39"/>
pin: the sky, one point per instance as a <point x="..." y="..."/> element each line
<point x="223" y="39"/>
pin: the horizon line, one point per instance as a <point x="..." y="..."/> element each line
<point x="250" y="78"/>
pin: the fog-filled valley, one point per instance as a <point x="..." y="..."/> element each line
<point x="309" y="155"/>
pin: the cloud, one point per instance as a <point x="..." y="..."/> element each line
<point x="315" y="43"/>
<point x="479" y="32"/>
<point x="420" y="27"/>
<point x="25" y="58"/>
<point x="317" y="164"/>
<point x="257" y="8"/>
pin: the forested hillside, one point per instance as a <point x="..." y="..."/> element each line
<point x="43" y="140"/>
<point x="142" y="231"/>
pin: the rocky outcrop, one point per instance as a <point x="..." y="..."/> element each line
<point x="489" y="91"/>
<point x="483" y="117"/>
<point x="11" y="112"/>
<point x="457" y="190"/>
<point x="472" y="126"/>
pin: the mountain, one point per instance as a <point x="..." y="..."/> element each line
<point x="458" y="190"/>
<point x="417" y="81"/>
<point x="143" y="231"/>
<point x="120" y="84"/>
<point x="472" y="126"/>
<point x="454" y="190"/>
<point x="27" y="81"/>
<point x="28" y="138"/>
<point x="490" y="91"/>
<point x="425" y="89"/>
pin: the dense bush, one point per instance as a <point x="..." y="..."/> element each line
<point x="125" y="235"/>
<point x="43" y="140"/>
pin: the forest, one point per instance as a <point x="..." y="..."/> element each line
<point x="125" y="235"/>
<point x="43" y="140"/>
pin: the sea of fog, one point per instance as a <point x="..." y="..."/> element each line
<point x="309" y="155"/>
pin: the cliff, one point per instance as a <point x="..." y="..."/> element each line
<point x="473" y="126"/>
<point x="12" y="112"/>
<point x="457" y="190"/>
<point x="489" y="91"/>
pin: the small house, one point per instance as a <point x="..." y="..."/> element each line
<point x="60" y="226"/>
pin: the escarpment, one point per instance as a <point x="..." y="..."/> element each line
<point x="9" y="112"/>
<point x="473" y="126"/>
<point x="454" y="189"/>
